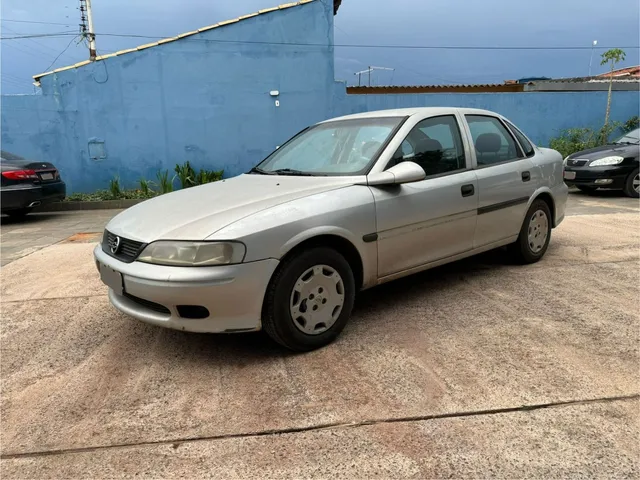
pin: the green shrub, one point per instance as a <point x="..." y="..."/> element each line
<point x="574" y="140"/>
<point x="114" y="188"/>
<point x="186" y="174"/>
<point x="164" y="183"/>
<point x="208" y="176"/>
<point x="631" y="124"/>
<point x="145" y="187"/>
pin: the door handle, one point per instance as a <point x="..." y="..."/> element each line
<point x="467" y="190"/>
<point x="526" y="176"/>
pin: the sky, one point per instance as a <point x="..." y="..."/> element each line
<point x="545" y="23"/>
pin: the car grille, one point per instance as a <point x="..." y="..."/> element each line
<point x="577" y="162"/>
<point x="127" y="250"/>
<point x="156" y="307"/>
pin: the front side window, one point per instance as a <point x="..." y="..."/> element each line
<point x="435" y="144"/>
<point x="524" y="142"/>
<point x="493" y="143"/>
<point x="342" y="147"/>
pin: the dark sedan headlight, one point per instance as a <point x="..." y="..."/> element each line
<point x="192" y="254"/>
<point x="602" y="162"/>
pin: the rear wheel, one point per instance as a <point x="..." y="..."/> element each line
<point x="632" y="185"/>
<point x="534" y="235"/>
<point x="584" y="189"/>
<point x="309" y="299"/>
<point x="21" y="212"/>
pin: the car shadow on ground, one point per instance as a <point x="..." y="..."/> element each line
<point x="31" y="219"/>
<point x="598" y="193"/>
<point x="249" y="348"/>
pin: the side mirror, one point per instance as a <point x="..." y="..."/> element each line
<point x="404" y="172"/>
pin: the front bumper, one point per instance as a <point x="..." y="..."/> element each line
<point x="233" y="294"/>
<point x="594" y="176"/>
<point x="21" y="196"/>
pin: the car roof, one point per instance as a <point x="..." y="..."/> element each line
<point x="404" y="112"/>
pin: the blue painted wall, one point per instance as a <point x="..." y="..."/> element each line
<point x="541" y="115"/>
<point x="206" y="99"/>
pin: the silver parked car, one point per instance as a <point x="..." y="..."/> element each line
<point x="345" y="205"/>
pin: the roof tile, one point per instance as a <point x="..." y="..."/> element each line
<point x="129" y="50"/>
<point x="188" y="34"/>
<point x="208" y="27"/>
<point x="167" y="40"/>
<point x="147" y="45"/>
<point x="227" y="22"/>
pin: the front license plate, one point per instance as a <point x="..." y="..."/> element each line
<point x="46" y="176"/>
<point x="569" y="175"/>
<point x="111" y="278"/>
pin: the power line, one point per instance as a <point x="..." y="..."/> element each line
<point x="51" y="51"/>
<point x="31" y="21"/>
<point x="40" y="35"/>
<point x="60" y="54"/>
<point x="342" y="45"/>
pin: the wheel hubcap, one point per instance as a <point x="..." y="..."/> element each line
<point x="636" y="183"/>
<point x="538" y="231"/>
<point x="317" y="299"/>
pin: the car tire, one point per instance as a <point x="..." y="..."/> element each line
<point x="631" y="184"/>
<point x="317" y="287"/>
<point x="19" y="213"/>
<point x="587" y="190"/>
<point x="535" y="234"/>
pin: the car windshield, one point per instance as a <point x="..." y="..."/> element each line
<point x="342" y="147"/>
<point x="630" y="137"/>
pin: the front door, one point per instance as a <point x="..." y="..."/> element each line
<point x="507" y="179"/>
<point x="422" y="222"/>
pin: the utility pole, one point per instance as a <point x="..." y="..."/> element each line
<point x="86" y="15"/>
<point x="595" y="42"/>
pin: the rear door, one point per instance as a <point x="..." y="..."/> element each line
<point x="422" y="222"/>
<point x="506" y="179"/>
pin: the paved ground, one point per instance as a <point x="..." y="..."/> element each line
<point x="475" y="369"/>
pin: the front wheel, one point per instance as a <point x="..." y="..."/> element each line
<point x="632" y="185"/>
<point x="534" y="235"/>
<point x="309" y="299"/>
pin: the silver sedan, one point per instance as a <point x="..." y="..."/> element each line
<point x="343" y="206"/>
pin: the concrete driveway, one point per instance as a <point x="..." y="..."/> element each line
<point x="475" y="369"/>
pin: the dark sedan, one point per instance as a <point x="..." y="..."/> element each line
<point x="27" y="184"/>
<point x="613" y="166"/>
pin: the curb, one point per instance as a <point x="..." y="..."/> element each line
<point x="99" y="205"/>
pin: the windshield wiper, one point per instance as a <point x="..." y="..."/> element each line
<point x="292" y="172"/>
<point x="628" y="143"/>
<point x="260" y="171"/>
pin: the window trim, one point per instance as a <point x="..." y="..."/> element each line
<point x="473" y="144"/>
<point x="460" y="134"/>
<point x="512" y="127"/>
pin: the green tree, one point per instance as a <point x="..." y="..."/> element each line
<point x="611" y="57"/>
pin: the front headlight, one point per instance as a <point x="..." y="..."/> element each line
<point x="601" y="162"/>
<point x="192" y="254"/>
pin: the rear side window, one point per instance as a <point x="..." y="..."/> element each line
<point x="524" y="143"/>
<point x="493" y="142"/>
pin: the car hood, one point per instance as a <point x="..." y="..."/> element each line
<point x="607" y="150"/>
<point x="196" y="213"/>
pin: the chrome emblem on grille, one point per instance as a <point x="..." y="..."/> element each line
<point x="114" y="244"/>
